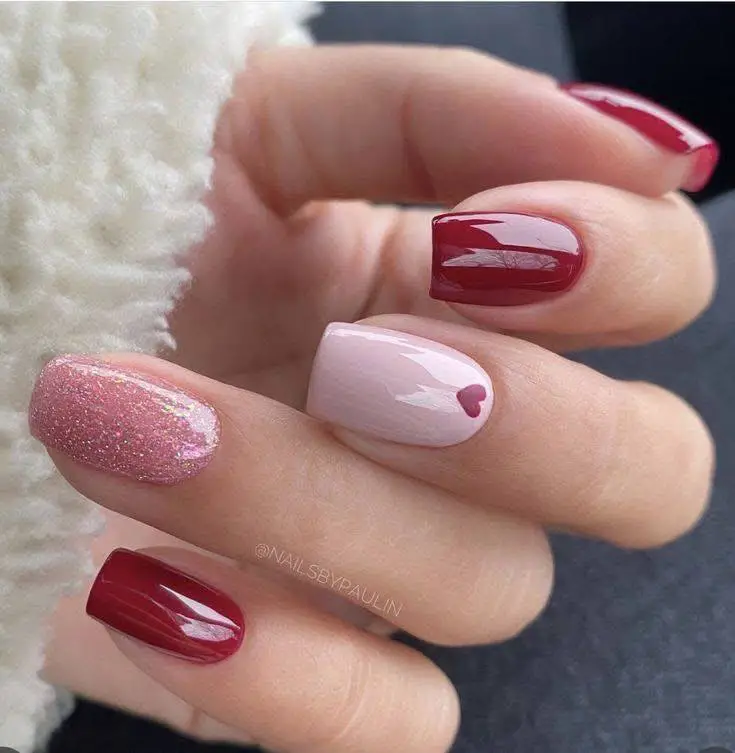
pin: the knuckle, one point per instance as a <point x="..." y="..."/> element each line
<point x="529" y="595"/>
<point x="465" y="56"/>
<point x="364" y="689"/>
<point x="346" y="703"/>
<point x="497" y="603"/>
<point x="461" y="57"/>
<point x="593" y="491"/>
<point x="698" y="274"/>
<point x="440" y="723"/>
<point x="685" y="468"/>
<point x="656" y="294"/>
<point x="520" y="609"/>
<point x="647" y="477"/>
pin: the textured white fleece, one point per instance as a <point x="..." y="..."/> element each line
<point x="107" y="114"/>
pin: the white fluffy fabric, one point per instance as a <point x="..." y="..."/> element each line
<point x="107" y="113"/>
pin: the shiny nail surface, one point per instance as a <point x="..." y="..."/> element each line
<point x="502" y="259"/>
<point x="121" y="421"/>
<point x="165" y="608"/>
<point x="666" y="128"/>
<point x="397" y="387"/>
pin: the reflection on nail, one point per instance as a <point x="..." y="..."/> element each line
<point x="122" y="421"/>
<point x="397" y="387"/>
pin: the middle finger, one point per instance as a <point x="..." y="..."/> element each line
<point x="570" y="265"/>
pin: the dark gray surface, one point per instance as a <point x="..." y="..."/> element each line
<point x="633" y="654"/>
<point x="529" y="34"/>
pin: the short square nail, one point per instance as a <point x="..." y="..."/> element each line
<point x="121" y="421"/>
<point x="397" y="387"/>
<point x="502" y="259"/>
<point x="159" y="605"/>
<point x="667" y="129"/>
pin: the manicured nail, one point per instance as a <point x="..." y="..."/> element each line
<point x="121" y="421"/>
<point x="397" y="387"/>
<point x="501" y="259"/>
<point x="662" y="126"/>
<point x="165" y="608"/>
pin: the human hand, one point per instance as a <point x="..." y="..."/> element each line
<point x="452" y="534"/>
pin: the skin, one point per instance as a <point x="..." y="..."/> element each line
<point x="297" y="245"/>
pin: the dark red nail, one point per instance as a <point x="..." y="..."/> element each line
<point x="666" y="128"/>
<point x="159" y="605"/>
<point x="502" y="259"/>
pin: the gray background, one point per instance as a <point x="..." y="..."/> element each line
<point x="531" y="34"/>
<point x="634" y="652"/>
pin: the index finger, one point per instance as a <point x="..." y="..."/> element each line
<point x="434" y="125"/>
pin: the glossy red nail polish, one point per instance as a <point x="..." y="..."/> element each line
<point x="666" y="128"/>
<point x="163" y="607"/>
<point x="502" y="259"/>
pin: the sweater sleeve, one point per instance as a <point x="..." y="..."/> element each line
<point x="107" y="112"/>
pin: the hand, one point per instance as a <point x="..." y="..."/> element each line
<point x="429" y="469"/>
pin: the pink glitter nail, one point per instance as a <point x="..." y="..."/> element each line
<point x="122" y="421"/>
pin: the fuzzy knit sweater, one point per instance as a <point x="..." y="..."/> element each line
<point x="107" y="115"/>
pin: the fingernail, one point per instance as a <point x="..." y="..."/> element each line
<point x="397" y="387"/>
<point x="500" y="259"/>
<point x="165" y="608"/>
<point x="662" y="126"/>
<point x="121" y="421"/>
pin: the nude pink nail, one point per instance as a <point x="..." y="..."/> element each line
<point x="397" y="387"/>
<point x="122" y="421"/>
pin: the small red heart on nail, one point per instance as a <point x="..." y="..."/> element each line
<point x="470" y="398"/>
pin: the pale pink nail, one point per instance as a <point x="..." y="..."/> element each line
<point x="397" y="387"/>
<point x="121" y="421"/>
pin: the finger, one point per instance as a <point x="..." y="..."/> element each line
<point x="418" y="124"/>
<point x="546" y="438"/>
<point x="249" y="656"/>
<point x="253" y="480"/>
<point x="584" y="264"/>
<point x="102" y="674"/>
<point x="80" y="657"/>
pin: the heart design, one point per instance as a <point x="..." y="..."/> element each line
<point x="470" y="398"/>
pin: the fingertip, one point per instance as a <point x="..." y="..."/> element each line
<point x="569" y="259"/>
<point x="704" y="163"/>
<point x="667" y="130"/>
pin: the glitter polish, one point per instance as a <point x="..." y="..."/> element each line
<point x="165" y="608"/>
<point x="121" y="421"/>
